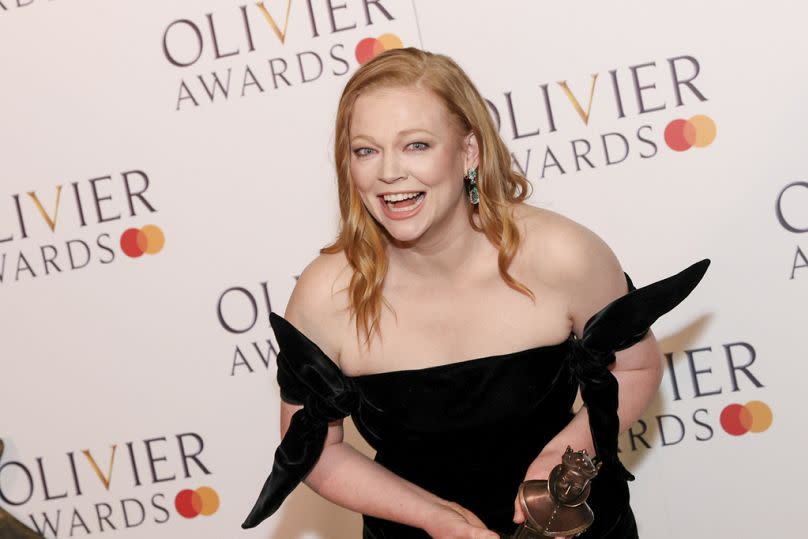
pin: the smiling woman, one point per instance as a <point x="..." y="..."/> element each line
<point x="498" y="312"/>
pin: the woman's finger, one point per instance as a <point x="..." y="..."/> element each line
<point x="518" y="514"/>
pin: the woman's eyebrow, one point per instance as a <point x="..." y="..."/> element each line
<point x="401" y="133"/>
<point x="413" y="130"/>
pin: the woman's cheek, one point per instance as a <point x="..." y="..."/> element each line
<point x="360" y="176"/>
<point x="424" y="169"/>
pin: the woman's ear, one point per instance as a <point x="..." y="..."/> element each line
<point x="472" y="150"/>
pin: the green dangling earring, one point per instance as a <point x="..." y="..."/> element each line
<point x="474" y="194"/>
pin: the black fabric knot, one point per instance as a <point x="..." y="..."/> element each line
<point x="588" y="366"/>
<point x="307" y="376"/>
<point x="599" y="391"/>
<point x="316" y="382"/>
<point x="332" y="407"/>
<point x="619" y="325"/>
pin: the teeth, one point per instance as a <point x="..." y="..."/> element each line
<point x="418" y="201"/>
<point x="400" y="196"/>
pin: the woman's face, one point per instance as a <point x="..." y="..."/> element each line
<point x="404" y="143"/>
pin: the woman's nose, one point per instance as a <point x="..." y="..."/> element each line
<point x="391" y="168"/>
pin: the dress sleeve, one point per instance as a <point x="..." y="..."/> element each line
<point x="619" y="325"/>
<point x="307" y="376"/>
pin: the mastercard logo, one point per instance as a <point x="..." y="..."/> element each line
<point x="754" y="416"/>
<point x="370" y="47"/>
<point x="202" y="501"/>
<point x="136" y="241"/>
<point x="698" y="131"/>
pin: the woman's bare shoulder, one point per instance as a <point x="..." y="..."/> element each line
<point x="318" y="304"/>
<point x="556" y="244"/>
<point x="573" y="258"/>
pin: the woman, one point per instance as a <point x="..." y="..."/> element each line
<point x="464" y="382"/>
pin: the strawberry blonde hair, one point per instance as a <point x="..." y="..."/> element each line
<point x="360" y="236"/>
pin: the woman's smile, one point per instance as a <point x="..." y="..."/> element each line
<point x="402" y="205"/>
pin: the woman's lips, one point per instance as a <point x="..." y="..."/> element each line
<point x="398" y="215"/>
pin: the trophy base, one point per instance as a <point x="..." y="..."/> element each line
<point x="546" y="518"/>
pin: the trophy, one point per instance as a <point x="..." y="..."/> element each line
<point x="557" y="506"/>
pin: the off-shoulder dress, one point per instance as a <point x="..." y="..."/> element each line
<point x="468" y="431"/>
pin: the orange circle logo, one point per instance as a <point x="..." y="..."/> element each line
<point x="698" y="131"/>
<point x="754" y="416"/>
<point x="136" y="241"/>
<point x="202" y="501"/>
<point x="370" y="47"/>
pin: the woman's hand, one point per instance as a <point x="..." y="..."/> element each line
<point x="539" y="469"/>
<point x="453" y="521"/>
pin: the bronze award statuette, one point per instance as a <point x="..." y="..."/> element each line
<point x="557" y="506"/>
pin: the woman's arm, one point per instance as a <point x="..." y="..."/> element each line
<point x="350" y="479"/>
<point x="638" y="370"/>
<point x="342" y="474"/>
<point x="592" y="277"/>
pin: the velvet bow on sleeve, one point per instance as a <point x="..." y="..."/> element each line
<point x="306" y="376"/>
<point x="620" y="324"/>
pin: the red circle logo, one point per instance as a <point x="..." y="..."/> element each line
<point x="202" y="501"/>
<point x="754" y="416"/>
<point x="137" y="241"/>
<point x="698" y="131"/>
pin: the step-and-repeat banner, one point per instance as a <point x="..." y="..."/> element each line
<point x="166" y="173"/>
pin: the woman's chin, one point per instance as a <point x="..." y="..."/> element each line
<point x="403" y="236"/>
<point x="404" y="240"/>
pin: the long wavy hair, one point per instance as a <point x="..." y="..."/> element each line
<point x="360" y="236"/>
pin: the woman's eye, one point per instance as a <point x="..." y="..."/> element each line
<point x="417" y="146"/>
<point x="362" y="152"/>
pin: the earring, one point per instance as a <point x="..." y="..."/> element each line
<point x="474" y="194"/>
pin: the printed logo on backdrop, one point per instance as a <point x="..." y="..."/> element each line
<point x="241" y="310"/>
<point x="137" y="484"/>
<point x="265" y="47"/>
<point x="629" y="100"/>
<point x="715" y="391"/>
<point x="791" y="210"/>
<point x="73" y="226"/>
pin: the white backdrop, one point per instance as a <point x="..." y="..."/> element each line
<point x="129" y="381"/>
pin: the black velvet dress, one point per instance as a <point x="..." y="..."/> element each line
<point x="468" y="431"/>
